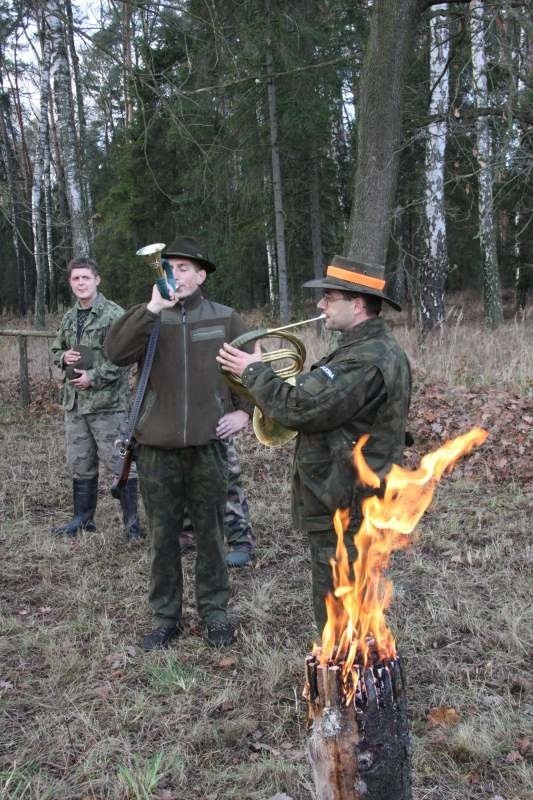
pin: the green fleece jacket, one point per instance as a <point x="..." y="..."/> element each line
<point x="363" y="386"/>
<point x="186" y="393"/>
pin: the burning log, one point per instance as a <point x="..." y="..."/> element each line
<point x="358" y="742"/>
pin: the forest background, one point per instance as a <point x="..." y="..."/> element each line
<point x="278" y="133"/>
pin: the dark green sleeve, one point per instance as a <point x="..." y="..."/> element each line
<point x="322" y="399"/>
<point x="128" y="336"/>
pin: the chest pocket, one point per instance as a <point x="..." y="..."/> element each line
<point x="208" y="332"/>
<point x="95" y="332"/>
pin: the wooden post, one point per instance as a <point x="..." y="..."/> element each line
<point x="24" y="377"/>
<point x="360" y="749"/>
<point x="23" y="366"/>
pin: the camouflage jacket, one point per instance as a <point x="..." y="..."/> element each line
<point x="109" y="390"/>
<point x="363" y="386"/>
<point x="186" y="393"/>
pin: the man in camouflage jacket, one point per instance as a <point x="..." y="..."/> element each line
<point x="95" y="397"/>
<point x="186" y="413"/>
<point x="363" y="386"/>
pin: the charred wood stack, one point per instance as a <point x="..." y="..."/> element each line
<point x="358" y="738"/>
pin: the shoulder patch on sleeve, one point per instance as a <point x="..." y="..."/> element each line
<point x="329" y="372"/>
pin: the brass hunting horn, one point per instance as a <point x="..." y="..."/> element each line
<point x="161" y="268"/>
<point x="267" y="430"/>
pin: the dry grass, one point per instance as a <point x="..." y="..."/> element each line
<point x="85" y="714"/>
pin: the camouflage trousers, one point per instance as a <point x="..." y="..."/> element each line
<point x="91" y="439"/>
<point x="237" y="525"/>
<point x="323" y="545"/>
<point x="195" y="477"/>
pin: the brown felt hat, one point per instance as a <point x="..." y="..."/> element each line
<point x="185" y="247"/>
<point x="348" y="275"/>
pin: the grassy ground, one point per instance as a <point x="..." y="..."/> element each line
<point x="86" y="714"/>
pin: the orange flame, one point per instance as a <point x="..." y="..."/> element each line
<point x="356" y="610"/>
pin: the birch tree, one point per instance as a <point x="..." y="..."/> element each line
<point x="492" y="299"/>
<point x="61" y="81"/>
<point x="81" y="120"/>
<point x="277" y="184"/>
<point x="434" y="268"/>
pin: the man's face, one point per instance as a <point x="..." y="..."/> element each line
<point x="187" y="274"/>
<point x="84" y="284"/>
<point x="341" y="312"/>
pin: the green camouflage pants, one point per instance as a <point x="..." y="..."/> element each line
<point x="91" y="439"/>
<point x="237" y="525"/>
<point x="323" y="545"/>
<point x="169" y="480"/>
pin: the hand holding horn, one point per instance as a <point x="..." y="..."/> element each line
<point x="235" y="361"/>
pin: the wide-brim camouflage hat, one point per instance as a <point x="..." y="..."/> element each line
<point x="349" y="275"/>
<point x="185" y="247"/>
<point x="85" y="361"/>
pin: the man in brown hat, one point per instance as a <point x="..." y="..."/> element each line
<point x="362" y="387"/>
<point x="186" y="413"/>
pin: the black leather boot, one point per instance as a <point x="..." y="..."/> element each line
<point x="128" y="503"/>
<point x="85" y="495"/>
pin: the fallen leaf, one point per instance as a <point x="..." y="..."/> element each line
<point x="257" y="747"/>
<point x="524" y="746"/>
<point x="117" y="674"/>
<point x="443" y="715"/>
<point x="227" y="662"/>
<point x="104" y="692"/>
<point x="225" y="706"/>
<point x="514" y="757"/>
<point x="6" y="685"/>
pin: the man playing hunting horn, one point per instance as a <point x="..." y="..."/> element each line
<point x="362" y="386"/>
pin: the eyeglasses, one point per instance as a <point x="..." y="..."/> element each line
<point x="327" y="298"/>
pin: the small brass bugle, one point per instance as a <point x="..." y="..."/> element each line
<point x="267" y="430"/>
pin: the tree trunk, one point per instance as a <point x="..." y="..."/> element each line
<point x="64" y="245"/>
<point x="379" y="128"/>
<point x="126" y="57"/>
<point x="81" y="139"/>
<point x="60" y="71"/>
<point x="277" y="184"/>
<point x="492" y="299"/>
<point x="52" y="288"/>
<point x="37" y="188"/>
<point x="434" y="268"/>
<point x="13" y="196"/>
<point x="25" y="158"/>
<point x="316" y="225"/>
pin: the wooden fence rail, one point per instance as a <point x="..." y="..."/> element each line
<point x="22" y="338"/>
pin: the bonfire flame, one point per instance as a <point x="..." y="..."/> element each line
<point x="356" y="626"/>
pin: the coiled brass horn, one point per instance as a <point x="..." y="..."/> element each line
<point x="267" y="430"/>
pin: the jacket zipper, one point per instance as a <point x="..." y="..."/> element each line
<point x="185" y="377"/>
